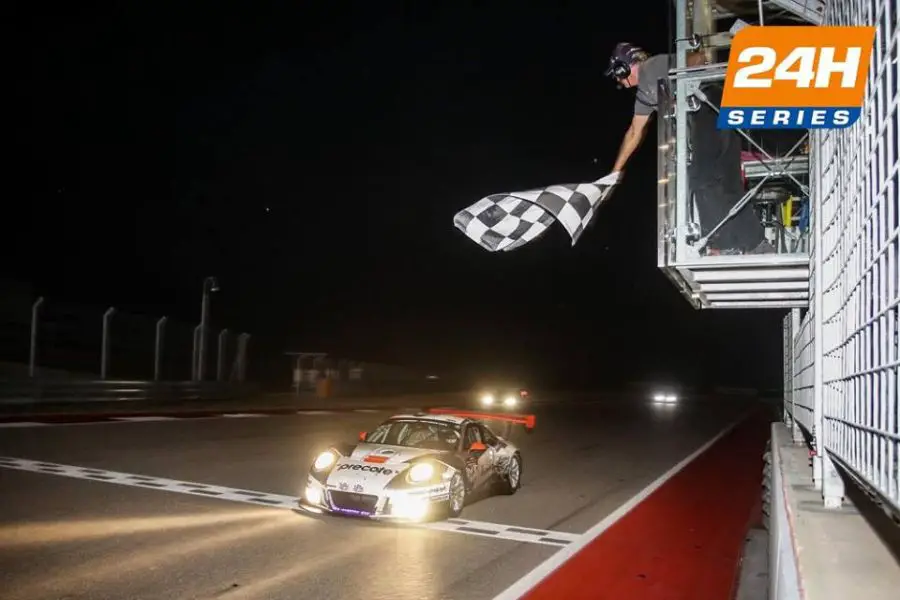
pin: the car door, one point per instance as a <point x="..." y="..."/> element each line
<point x="478" y="462"/>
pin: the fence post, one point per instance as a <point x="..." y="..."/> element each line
<point x="787" y="368"/>
<point x="825" y="475"/>
<point x="796" y="434"/>
<point x="223" y="347"/>
<point x="104" y="347"/>
<point x="32" y="356"/>
<point x="195" y="357"/>
<point x="243" y="340"/>
<point x="158" y="349"/>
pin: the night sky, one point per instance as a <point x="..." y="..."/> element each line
<point x="311" y="155"/>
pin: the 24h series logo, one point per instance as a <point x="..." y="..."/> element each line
<point x="796" y="77"/>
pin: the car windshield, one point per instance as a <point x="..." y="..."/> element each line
<point x="416" y="434"/>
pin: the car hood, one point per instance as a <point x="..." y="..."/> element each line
<point x="386" y="454"/>
<point x="371" y="467"/>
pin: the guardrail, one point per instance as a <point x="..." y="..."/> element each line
<point x="76" y="391"/>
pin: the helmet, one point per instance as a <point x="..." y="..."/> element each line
<point x="623" y="57"/>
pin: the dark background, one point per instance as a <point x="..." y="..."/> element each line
<point x="311" y="155"/>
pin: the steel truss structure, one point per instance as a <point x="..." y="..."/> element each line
<point x="828" y="201"/>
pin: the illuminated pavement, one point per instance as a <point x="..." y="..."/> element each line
<point x="115" y="510"/>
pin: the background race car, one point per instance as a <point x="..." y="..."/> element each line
<point x="415" y="467"/>
<point x="505" y="399"/>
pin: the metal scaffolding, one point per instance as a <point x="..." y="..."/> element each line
<point x="773" y="172"/>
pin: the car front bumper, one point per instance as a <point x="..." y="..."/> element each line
<point x="413" y="504"/>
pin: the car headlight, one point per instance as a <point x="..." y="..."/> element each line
<point x="487" y="399"/>
<point x="323" y="461"/>
<point x="421" y="472"/>
<point x="509" y="401"/>
<point x="314" y="494"/>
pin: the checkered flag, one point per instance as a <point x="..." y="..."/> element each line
<point x="508" y="221"/>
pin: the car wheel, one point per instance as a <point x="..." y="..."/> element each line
<point x="457" y="495"/>
<point x="511" y="480"/>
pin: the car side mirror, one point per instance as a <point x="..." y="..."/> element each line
<point x="477" y="447"/>
<point x="362" y="436"/>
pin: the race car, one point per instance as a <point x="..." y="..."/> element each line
<point x="503" y="398"/>
<point x="665" y="397"/>
<point x="415" y="467"/>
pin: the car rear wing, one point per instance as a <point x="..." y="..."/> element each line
<point x="527" y="420"/>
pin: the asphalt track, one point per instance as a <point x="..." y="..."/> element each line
<point x="202" y="508"/>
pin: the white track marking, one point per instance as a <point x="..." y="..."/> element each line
<point x="465" y="526"/>
<point x="531" y="579"/>
<point x="508" y="532"/>
<point x="157" y="483"/>
<point x="23" y="424"/>
<point x="243" y="415"/>
<point x="143" y="419"/>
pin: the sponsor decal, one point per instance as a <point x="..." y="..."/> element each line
<point x="436" y="493"/>
<point x="474" y="469"/>
<point x="349" y="511"/>
<point x="367" y="469"/>
<point x="429" y="491"/>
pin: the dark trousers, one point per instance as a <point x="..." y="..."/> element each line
<point x="714" y="178"/>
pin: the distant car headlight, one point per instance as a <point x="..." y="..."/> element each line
<point x="324" y="460"/>
<point x="509" y="401"/>
<point x="487" y="399"/>
<point x="421" y="472"/>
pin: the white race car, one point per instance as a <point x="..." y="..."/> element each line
<point x="415" y="467"/>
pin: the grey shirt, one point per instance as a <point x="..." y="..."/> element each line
<point x="652" y="70"/>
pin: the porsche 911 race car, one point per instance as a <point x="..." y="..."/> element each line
<point x="506" y="399"/>
<point x="415" y="467"/>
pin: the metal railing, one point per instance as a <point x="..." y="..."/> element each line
<point x="104" y="343"/>
<point x="803" y="375"/>
<point x="24" y="392"/>
<point x="845" y="355"/>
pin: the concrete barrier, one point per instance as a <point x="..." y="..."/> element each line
<point x="264" y="403"/>
<point x="816" y="552"/>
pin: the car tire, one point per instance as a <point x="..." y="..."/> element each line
<point x="511" y="480"/>
<point x="457" y="484"/>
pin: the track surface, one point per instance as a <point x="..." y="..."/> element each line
<point x="65" y="535"/>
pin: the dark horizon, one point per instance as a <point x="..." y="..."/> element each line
<point x="312" y="160"/>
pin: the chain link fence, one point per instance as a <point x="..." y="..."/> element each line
<point x="846" y="355"/>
